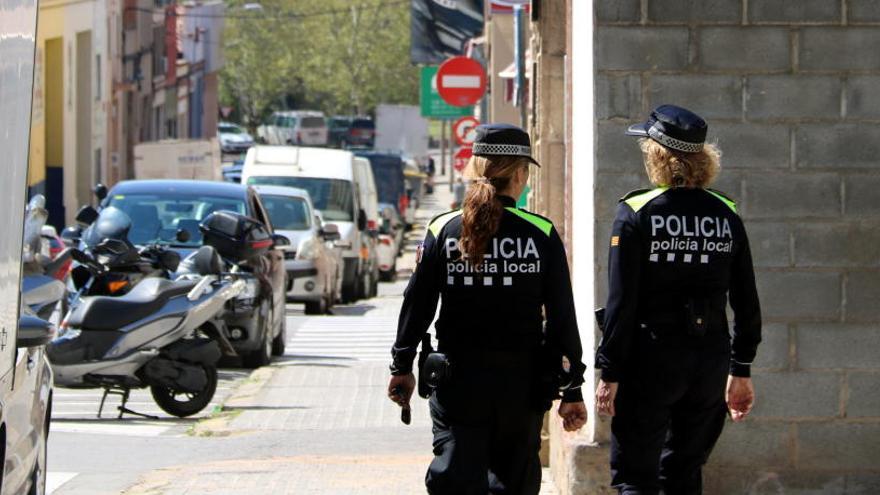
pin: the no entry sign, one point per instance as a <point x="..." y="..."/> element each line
<point x="461" y="81"/>
<point x="464" y="130"/>
<point x="460" y="160"/>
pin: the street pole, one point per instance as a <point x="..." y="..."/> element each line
<point x="451" y="154"/>
<point x="442" y="147"/>
<point x="519" y="56"/>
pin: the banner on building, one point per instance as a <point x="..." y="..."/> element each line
<point x="441" y="28"/>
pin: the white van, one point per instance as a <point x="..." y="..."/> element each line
<point x="330" y="178"/>
<point x="369" y="197"/>
<point x="298" y="127"/>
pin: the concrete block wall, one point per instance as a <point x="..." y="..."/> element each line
<point x="791" y="91"/>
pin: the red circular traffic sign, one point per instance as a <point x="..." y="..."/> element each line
<point x="461" y="158"/>
<point x="464" y="130"/>
<point x="461" y="81"/>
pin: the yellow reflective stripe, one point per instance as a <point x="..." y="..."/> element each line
<point x="438" y="223"/>
<point x="637" y="202"/>
<point x="544" y="225"/>
<point x="730" y="204"/>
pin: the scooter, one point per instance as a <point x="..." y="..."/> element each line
<point x="162" y="334"/>
<point x="41" y="291"/>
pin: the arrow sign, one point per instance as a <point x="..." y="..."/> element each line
<point x="461" y="81"/>
<point x="464" y="130"/>
<point x="461" y="158"/>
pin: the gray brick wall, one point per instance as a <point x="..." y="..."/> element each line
<point x="791" y="90"/>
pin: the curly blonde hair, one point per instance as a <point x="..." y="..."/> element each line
<point x="671" y="168"/>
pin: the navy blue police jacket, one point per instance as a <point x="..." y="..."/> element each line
<point x="670" y="246"/>
<point x="517" y="299"/>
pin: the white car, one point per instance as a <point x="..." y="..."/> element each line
<point x="299" y="127"/>
<point x="234" y="139"/>
<point x="313" y="272"/>
<point x="389" y="242"/>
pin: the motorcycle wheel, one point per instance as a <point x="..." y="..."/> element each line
<point x="183" y="404"/>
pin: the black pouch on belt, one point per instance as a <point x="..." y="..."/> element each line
<point x="697" y="316"/>
<point x="436" y="369"/>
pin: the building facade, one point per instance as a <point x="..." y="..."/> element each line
<point x="68" y="151"/>
<point x="787" y="90"/>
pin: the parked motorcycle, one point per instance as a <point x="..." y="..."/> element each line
<point x="41" y="290"/>
<point x="163" y="334"/>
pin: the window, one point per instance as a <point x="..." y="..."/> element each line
<point x="332" y="197"/>
<point x="156" y="218"/>
<point x="287" y="212"/>
<point x="98" y="85"/>
<point x="312" y="122"/>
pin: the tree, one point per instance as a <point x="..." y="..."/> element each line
<point x="344" y="56"/>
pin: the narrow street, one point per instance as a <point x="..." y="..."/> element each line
<point x="315" y="421"/>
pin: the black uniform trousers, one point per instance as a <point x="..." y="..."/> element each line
<point x="487" y="429"/>
<point x="670" y="410"/>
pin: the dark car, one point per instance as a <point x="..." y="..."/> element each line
<point x="348" y="131"/>
<point x="390" y="183"/>
<point x="255" y="320"/>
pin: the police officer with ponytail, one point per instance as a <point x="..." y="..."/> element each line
<point x="506" y="320"/>
<point x="670" y="369"/>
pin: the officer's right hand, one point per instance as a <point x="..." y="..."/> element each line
<point x="400" y="388"/>
<point x="605" y="395"/>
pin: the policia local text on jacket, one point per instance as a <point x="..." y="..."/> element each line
<point x="491" y="326"/>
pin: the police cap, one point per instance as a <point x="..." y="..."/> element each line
<point x="503" y="139"/>
<point x="674" y="127"/>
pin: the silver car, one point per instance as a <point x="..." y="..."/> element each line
<point x="314" y="275"/>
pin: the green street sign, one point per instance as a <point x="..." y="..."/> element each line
<point x="432" y="105"/>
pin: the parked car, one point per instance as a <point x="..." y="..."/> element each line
<point x="233" y="138"/>
<point x="159" y="209"/>
<point x="369" y="196"/>
<point x="298" y="127"/>
<point x="232" y="173"/>
<point x="314" y="276"/>
<point x="389" y="242"/>
<point x="388" y="171"/>
<point x="329" y="177"/>
<point x="351" y="131"/>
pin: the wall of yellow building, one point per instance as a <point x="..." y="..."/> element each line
<point x="50" y="25"/>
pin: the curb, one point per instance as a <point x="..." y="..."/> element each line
<point x="217" y="423"/>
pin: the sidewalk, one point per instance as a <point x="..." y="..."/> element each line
<point x="324" y="422"/>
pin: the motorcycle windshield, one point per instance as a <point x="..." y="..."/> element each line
<point x="112" y="223"/>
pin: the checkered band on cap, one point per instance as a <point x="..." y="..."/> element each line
<point x="671" y="142"/>
<point x="501" y="149"/>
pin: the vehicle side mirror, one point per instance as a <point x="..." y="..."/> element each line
<point x="330" y="232"/>
<point x="87" y="215"/>
<point x="280" y="240"/>
<point x="100" y="191"/>
<point x="362" y="220"/>
<point x="34" y="332"/>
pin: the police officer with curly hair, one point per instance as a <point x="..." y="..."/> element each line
<point x="505" y="322"/>
<point x="670" y="371"/>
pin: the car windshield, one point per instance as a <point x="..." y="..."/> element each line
<point x="338" y="122"/>
<point x="309" y="122"/>
<point x="231" y="129"/>
<point x="287" y="212"/>
<point x="388" y="171"/>
<point x="332" y="197"/>
<point x="156" y="218"/>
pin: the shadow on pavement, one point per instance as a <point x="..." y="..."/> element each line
<point x="353" y="310"/>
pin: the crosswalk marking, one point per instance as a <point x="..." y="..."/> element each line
<point x="361" y="338"/>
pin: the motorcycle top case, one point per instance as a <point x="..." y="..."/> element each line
<point x="235" y="236"/>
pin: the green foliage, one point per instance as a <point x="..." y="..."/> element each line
<point x="339" y="56"/>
